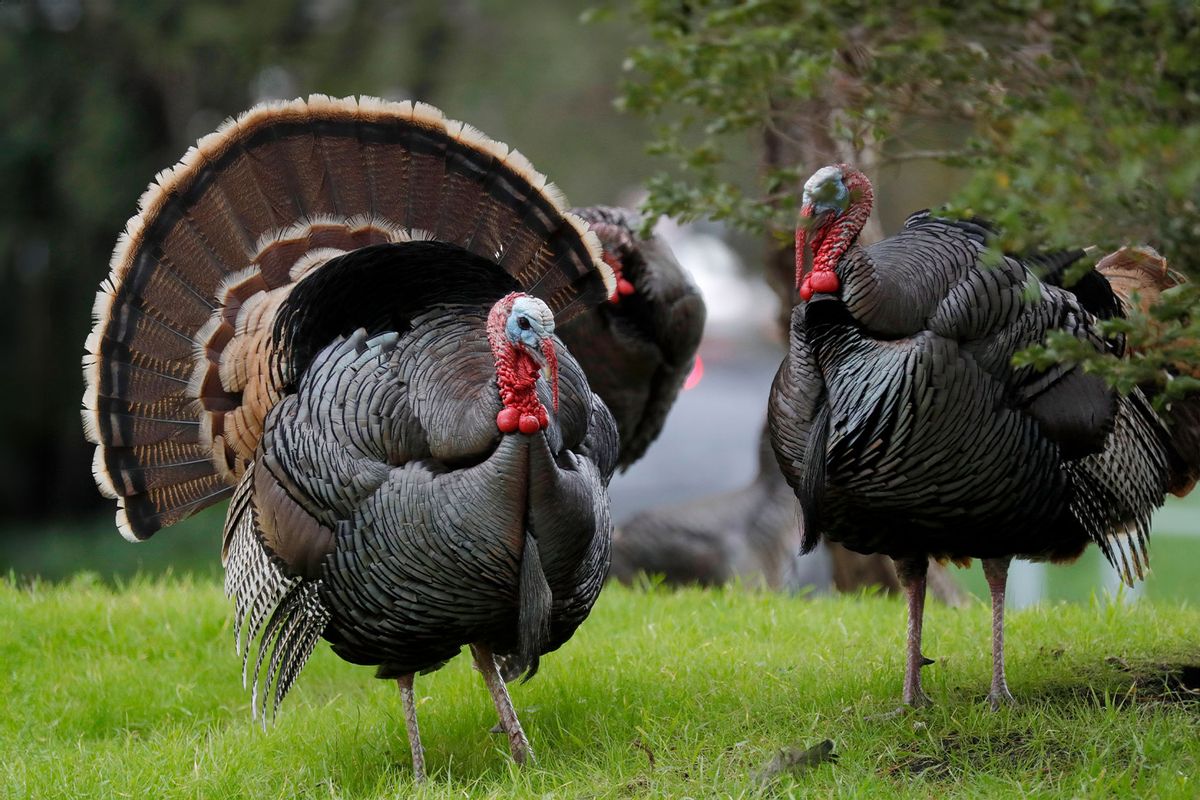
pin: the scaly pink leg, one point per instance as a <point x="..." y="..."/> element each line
<point x="911" y="572"/>
<point x="409" y="702"/>
<point x="996" y="572"/>
<point x="485" y="662"/>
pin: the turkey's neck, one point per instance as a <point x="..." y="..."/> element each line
<point x="832" y="240"/>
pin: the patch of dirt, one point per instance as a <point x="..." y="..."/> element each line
<point x="1162" y="683"/>
<point x="958" y="753"/>
<point x="639" y="785"/>
<point x="926" y="766"/>
<point x="1145" y="683"/>
<point x="1140" y="684"/>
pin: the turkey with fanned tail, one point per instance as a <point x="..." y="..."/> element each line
<point x="342" y="313"/>
<point x="904" y="428"/>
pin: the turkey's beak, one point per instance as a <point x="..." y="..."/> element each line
<point x="547" y="358"/>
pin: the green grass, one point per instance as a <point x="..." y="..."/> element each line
<point x="134" y="691"/>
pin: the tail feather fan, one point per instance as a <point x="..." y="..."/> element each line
<point x="179" y="364"/>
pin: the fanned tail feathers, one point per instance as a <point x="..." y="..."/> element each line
<point x="1139" y="271"/>
<point x="178" y="367"/>
<point x="283" y="613"/>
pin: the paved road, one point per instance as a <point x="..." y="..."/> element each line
<point x="710" y="441"/>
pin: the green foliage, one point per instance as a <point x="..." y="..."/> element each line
<point x="1073" y="122"/>
<point x="1156" y="343"/>
<point x="1084" y="116"/>
<point x="135" y="692"/>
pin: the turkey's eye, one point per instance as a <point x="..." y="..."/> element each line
<point x="523" y="323"/>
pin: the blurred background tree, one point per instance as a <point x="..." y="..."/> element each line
<point x="1066" y="123"/>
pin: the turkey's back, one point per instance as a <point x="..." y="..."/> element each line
<point x="638" y="351"/>
<point x="385" y="479"/>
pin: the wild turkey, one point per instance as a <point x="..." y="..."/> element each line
<point x="339" y="312"/>
<point x="902" y="425"/>
<point x="638" y="348"/>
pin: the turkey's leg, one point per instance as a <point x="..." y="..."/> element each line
<point x="911" y="572"/>
<point x="409" y="701"/>
<point x="996" y="572"/>
<point x="485" y="662"/>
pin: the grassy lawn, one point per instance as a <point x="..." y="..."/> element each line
<point x="134" y="691"/>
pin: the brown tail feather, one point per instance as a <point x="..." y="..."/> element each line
<point x="178" y="366"/>
<point x="1141" y="271"/>
<point x="143" y="514"/>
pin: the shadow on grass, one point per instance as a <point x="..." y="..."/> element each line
<point x="1026" y="744"/>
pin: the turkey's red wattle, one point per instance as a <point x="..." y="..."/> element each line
<point x="516" y="376"/>
<point x="819" y="281"/>
<point x="508" y="420"/>
<point x="821" y="278"/>
<point x="516" y="379"/>
<point x="830" y="239"/>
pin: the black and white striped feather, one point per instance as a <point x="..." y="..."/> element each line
<point x="275" y="614"/>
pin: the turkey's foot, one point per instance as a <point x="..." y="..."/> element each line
<point x="916" y="698"/>
<point x="485" y="662"/>
<point x="408" y="699"/>
<point x="1000" y="696"/>
<point x="914" y="695"/>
